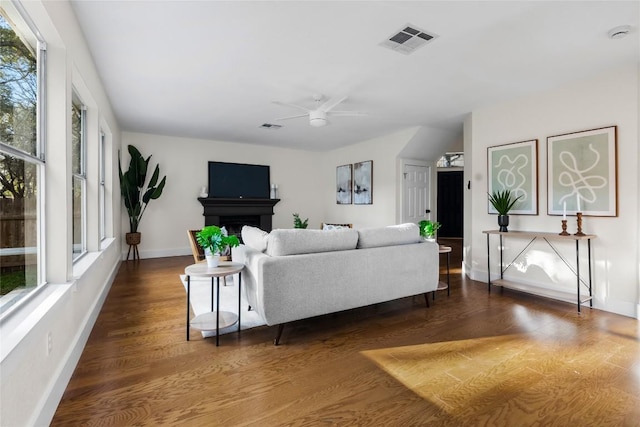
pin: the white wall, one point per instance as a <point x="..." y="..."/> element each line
<point x="33" y="379"/>
<point x="384" y="153"/>
<point x="306" y="184"/>
<point x="185" y="162"/>
<point x="611" y="99"/>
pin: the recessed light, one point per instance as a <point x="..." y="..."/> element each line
<point x="619" y="32"/>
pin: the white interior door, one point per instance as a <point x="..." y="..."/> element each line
<point x="417" y="193"/>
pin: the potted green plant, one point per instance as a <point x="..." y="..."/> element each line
<point x="215" y="241"/>
<point x="503" y="202"/>
<point x="428" y="229"/>
<point x="134" y="192"/>
<point x="298" y="223"/>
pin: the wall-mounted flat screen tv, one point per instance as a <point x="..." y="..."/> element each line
<point x="238" y="181"/>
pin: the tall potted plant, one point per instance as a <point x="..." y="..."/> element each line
<point x="134" y="192"/>
<point x="502" y="202"/>
<point x="215" y="241"/>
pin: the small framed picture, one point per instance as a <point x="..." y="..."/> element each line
<point x="343" y="185"/>
<point x="363" y="183"/>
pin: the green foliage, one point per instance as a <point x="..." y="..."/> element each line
<point x="18" y="101"/>
<point x="298" y="223"/>
<point x="428" y="228"/>
<point x="17" y="280"/>
<point x="215" y="239"/>
<point x="503" y="201"/>
<point x="132" y="186"/>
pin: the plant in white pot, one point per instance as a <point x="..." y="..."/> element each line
<point x="215" y="241"/>
<point x="428" y="229"/>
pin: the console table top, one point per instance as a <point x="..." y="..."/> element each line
<point x="545" y="235"/>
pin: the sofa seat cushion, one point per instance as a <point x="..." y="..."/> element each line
<point x="283" y="242"/>
<point x="254" y="238"/>
<point x="401" y="234"/>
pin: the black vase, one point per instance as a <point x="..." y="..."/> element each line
<point x="503" y="222"/>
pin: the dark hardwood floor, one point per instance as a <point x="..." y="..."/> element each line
<point x="471" y="359"/>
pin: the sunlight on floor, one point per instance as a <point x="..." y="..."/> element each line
<point x="478" y="377"/>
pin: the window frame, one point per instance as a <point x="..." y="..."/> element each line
<point x="80" y="176"/>
<point x="22" y="25"/>
<point x="102" y="191"/>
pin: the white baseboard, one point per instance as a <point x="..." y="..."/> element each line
<point x="623" y="308"/>
<point x="163" y="253"/>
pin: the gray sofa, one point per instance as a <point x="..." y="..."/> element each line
<point x="293" y="274"/>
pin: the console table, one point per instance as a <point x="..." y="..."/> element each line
<point x="547" y="237"/>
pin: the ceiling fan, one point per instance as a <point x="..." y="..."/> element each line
<point x="318" y="116"/>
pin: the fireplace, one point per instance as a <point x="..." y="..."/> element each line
<point x="235" y="213"/>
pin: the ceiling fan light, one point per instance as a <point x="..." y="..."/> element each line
<point x="317" y="121"/>
<point x="317" y="118"/>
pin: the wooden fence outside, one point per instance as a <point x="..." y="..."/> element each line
<point x="18" y="232"/>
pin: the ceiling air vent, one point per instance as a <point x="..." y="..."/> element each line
<point x="270" y="126"/>
<point x="408" y="39"/>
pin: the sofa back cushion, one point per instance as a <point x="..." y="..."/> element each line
<point x="301" y="241"/>
<point x="254" y="238"/>
<point x="401" y="234"/>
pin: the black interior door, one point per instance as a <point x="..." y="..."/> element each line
<point x="450" y="199"/>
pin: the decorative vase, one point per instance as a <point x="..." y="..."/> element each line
<point x="503" y="222"/>
<point x="213" y="260"/>
<point x="132" y="238"/>
<point x="430" y="238"/>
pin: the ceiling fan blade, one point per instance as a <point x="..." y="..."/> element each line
<point x="291" y="105"/>
<point x="292" y="117"/>
<point x="327" y="106"/>
<point x="347" y="113"/>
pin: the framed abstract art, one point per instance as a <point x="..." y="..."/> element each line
<point x="514" y="167"/>
<point x="582" y="173"/>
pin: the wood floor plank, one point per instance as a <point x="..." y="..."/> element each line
<point x="471" y="359"/>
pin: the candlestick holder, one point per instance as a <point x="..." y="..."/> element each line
<point x="564" y="228"/>
<point x="579" y="220"/>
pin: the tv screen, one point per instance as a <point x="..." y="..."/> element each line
<point x="238" y="181"/>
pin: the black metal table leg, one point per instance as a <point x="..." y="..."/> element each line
<point x="239" y="300"/>
<point x="448" y="274"/>
<point x="217" y="310"/>
<point x="488" y="267"/>
<point x="188" y="300"/>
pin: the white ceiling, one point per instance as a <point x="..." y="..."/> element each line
<point x="211" y="69"/>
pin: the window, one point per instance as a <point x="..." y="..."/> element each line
<point x="451" y="160"/>
<point x="21" y="163"/>
<point x="79" y="185"/>
<point x="101" y="187"/>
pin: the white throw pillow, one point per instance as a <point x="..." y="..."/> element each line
<point x="254" y="238"/>
<point x="329" y="227"/>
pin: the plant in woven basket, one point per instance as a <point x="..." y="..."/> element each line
<point x="135" y="193"/>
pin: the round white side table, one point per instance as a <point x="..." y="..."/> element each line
<point x="215" y="319"/>
<point x="441" y="285"/>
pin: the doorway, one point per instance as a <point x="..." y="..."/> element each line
<point x="450" y="203"/>
<point x="416" y="193"/>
